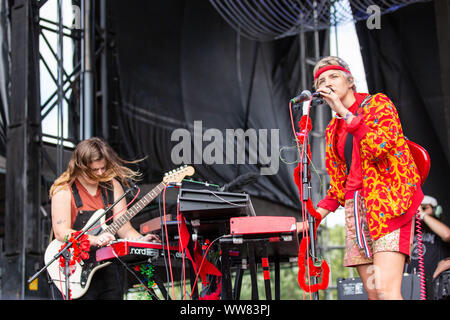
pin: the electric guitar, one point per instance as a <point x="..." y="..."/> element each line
<point x="80" y="279"/>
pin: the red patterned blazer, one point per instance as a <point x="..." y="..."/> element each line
<point x="390" y="176"/>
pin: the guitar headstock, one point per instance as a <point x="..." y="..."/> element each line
<point x="178" y="175"/>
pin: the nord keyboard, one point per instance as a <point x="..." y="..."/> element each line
<point x="269" y="239"/>
<point x="133" y="250"/>
<point x="278" y="232"/>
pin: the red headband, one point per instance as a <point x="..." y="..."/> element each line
<point x="332" y="67"/>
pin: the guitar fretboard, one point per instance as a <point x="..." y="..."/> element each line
<point x="141" y="204"/>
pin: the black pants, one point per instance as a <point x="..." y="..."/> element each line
<point x="106" y="284"/>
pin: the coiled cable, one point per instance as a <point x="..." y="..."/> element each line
<point x="420" y="258"/>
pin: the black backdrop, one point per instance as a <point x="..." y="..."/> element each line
<point x="180" y="62"/>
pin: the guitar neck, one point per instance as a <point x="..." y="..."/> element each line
<point x="141" y="204"/>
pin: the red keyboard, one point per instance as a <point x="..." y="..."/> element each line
<point x="125" y="248"/>
<point x="263" y="225"/>
<point x="279" y="233"/>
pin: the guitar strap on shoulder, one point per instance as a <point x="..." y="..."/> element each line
<point x="348" y="149"/>
<point x="107" y="194"/>
<point x="76" y="196"/>
<point x="106" y="190"/>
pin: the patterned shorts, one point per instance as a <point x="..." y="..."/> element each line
<point x="400" y="240"/>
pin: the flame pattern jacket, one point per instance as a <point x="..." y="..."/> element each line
<point x="390" y="176"/>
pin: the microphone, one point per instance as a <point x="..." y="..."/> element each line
<point x="237" y="184"/>
<point x="132" y="184"/>
<point x="305" y="95"/>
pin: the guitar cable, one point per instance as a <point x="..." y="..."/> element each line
<point x="162" y="240"/>
<point x="167" y="240"/>
<point x="180" y="245"/>
<point x="203" y="260"/>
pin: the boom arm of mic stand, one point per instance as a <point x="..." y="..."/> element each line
<point x="69" y="244"/>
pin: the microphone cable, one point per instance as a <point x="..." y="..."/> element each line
<point x="305" y="231"/>
<point x="420" y="258"/>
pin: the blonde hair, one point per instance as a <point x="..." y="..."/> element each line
<point x="88" y="151"/>
<point x="335" y="61"/>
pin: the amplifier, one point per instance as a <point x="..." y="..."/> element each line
<point x="353" y="289"/>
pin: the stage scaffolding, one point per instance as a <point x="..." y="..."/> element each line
<point x="67" y="102"/>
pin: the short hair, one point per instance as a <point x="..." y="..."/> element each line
<point x="334" y="61"/>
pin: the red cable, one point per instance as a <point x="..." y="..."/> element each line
<point x="180" y="245"/>
<point x="201" y="264"/>
<point x="420" y="259"/>
<point x="305" y="232"/>
<point x="60" y="282"/>
<point x="167" y="240"/>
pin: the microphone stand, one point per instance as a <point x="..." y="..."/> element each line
<point x="306" y="192"/>
<point x="65" y="251"/>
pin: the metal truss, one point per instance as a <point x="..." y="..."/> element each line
<point x="68" y="54"/>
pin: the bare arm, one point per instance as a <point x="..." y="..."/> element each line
<point x="302" y="224"/>
<point x="442" y="266"/>
<point x="61" y="219"/>
<point x="442" y="230"/>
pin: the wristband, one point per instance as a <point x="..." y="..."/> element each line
<point x="348" y="115"/>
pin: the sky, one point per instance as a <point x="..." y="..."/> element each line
<point x="48" y="86"/>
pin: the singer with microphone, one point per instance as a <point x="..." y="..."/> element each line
<point x="91" y="182"/>
<point x="373" y="176"/>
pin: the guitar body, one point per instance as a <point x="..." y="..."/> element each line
<point x="80" y="280"/>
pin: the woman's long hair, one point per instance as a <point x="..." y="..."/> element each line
<point x="88" y="151"/>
